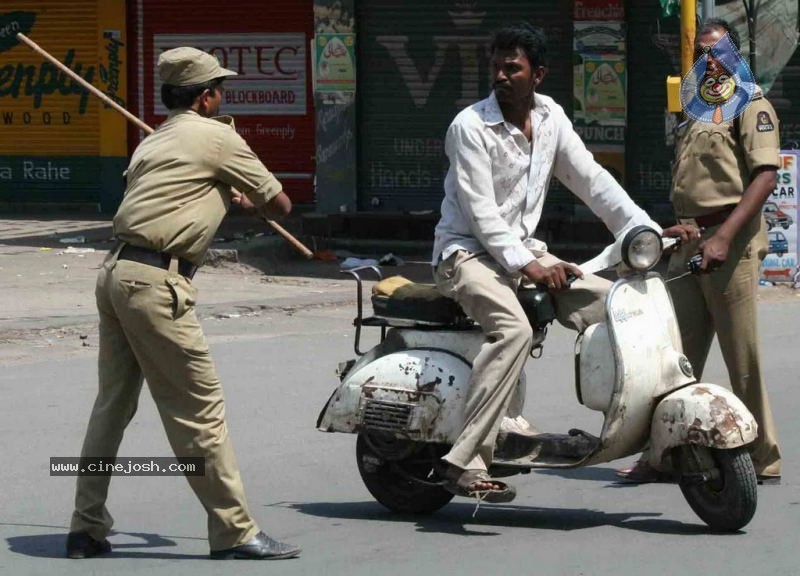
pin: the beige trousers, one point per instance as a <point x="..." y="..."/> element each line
<point x="488" y="294"/>
<point x="148" y="329"/>
<point x="723" y="302"/>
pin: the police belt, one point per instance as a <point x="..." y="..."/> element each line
<point x="155" y="258"/>
<point x="713" y="219"/>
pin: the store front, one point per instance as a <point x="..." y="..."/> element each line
<point x="419" y="64"/>
<point x="268" y="45"/>
<point x="59" y="145"/>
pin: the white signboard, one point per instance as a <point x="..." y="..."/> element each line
<point x="271" y="67"/>
<point x="781" y="214"/>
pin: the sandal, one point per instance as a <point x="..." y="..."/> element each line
<point x="460" y="482"/>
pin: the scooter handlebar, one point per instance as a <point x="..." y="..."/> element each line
<point x="570" y="279"/>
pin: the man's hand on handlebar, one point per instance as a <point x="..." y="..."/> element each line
<point x="684" y="232"/>
<point x="715" y="252"/>
<point x="556" y="277"/>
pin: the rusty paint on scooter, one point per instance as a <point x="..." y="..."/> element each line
<point x="703" y="415"/>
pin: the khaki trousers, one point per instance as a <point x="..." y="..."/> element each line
<point x="488" y="294"/>
<point x="723" y="302"/>
<point x="148" y="329"/>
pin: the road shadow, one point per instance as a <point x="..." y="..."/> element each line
<point x="593" y="473"/>
<point x="457" y="518"/>
<point x="52" y="545"/>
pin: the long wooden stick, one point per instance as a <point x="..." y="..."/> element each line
<point x="68" y="71"/>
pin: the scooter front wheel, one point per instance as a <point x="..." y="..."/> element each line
<point x="720" y="485"/>
<point x="398" y="473"/>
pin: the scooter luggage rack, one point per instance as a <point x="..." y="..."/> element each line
<point x="391" y="321"/>
<point x="359" y="320"/>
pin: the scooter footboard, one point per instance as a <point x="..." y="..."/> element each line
<point x="416" y="394"/>
<point x="701" y="414"/>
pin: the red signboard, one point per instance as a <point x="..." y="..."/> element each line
<point x="600" y="10"/>
<point x="271" y="99"/>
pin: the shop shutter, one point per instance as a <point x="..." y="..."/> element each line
<point x="653" y="52"/>
<point x="419" y="64"/>
<point x="785" y="97"/>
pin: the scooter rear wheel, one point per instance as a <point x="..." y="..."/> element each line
<point x="398" y="473"/>
<point x="727" y="499"/>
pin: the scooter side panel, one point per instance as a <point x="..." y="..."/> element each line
<point x="702" y="414"/>
<point x="649" y="361"/>
<point x="417" y="394"/>
<point x="596" y="368"/>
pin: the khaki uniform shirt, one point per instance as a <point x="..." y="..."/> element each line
<point x="714" y="163"/>
<point x="179" y="184"/>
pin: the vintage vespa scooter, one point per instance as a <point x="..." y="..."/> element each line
<point x="405" y="397"/>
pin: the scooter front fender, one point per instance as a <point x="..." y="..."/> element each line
<point x="417" y="394"/>
<point x="700" y="414"/>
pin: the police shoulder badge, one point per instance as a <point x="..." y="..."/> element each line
<point x="719" y="86"/>
<point x="764" y="122"/>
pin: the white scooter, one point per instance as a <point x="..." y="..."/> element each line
<point x="405" y="397"/>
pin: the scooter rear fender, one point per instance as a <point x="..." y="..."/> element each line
<point x="700" y="414"/>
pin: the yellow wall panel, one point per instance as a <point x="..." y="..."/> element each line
<point x="43" y="111"/>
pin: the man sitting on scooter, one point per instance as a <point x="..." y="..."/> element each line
<point x="503" y="151"/>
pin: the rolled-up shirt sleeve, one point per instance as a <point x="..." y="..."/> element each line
<point x="759" y="135"/>
<point x="240" y="167"/>
<point x="471" y="170"/>
<point x="576" y="168"/>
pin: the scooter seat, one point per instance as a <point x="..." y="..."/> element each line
<point x="397" y="298"/>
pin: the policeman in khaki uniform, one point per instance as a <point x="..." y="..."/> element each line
<point x="721" y="178"/>
<point x="181" y="181"/>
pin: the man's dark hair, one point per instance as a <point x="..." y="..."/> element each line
<point x="176" y="97"/>
<point x="531" y="39"/>
<point x="719" y="24"/>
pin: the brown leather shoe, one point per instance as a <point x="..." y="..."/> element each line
<point x="81" y="545"/>
<point x="259" y="547"/>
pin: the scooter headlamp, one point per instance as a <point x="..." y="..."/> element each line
<point x="641" y="248"/>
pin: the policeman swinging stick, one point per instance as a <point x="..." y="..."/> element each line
<point x="144" y="127"/>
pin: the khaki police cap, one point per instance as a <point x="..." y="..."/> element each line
<point x="186" y="66"/>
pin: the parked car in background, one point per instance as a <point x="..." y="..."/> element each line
<point x="775" y="217"/>
<point x="778" y="243"/>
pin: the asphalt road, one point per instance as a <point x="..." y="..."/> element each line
<point x="277" y="367"/>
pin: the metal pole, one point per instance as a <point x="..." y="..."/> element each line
<point x="708" y="9"/>
<point x="752" y="15"/>
<point x="688" y="30"/>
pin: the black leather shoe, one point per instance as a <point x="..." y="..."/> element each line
<point x="81" y="545"/>
<point x="259" y="547"/>
<point x="768" y="480"/>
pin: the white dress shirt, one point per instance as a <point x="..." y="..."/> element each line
<point x="497" y="183"/>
